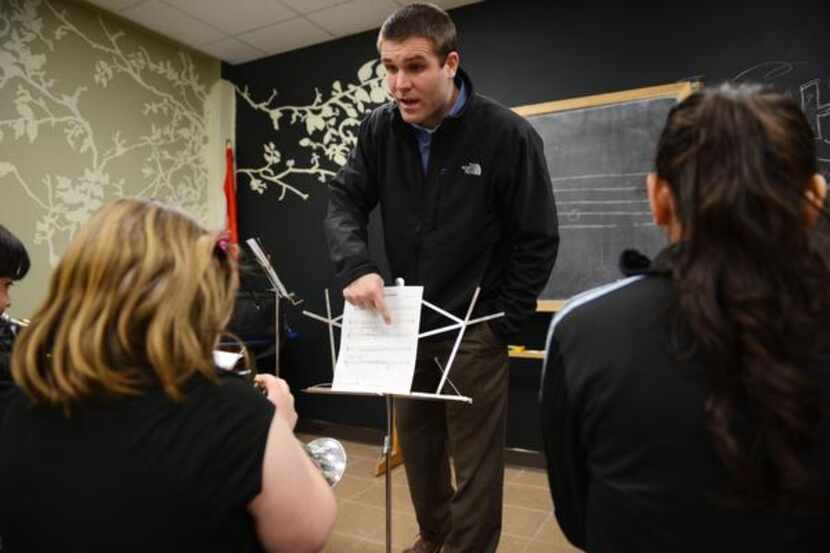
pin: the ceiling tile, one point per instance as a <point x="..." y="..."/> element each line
<point x="308" y="6"/>
<point x="115" y="5"/>
<point x="354" y="17"/>
<point x="269" y="26"/>
<point x="235" y="17"/>
<point x="171" y="22"/>
<point x="288" y="35"/>
<point x="232" y="50"/>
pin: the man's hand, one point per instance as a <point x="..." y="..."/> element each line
<point x="366" y="292"/>
<point x="277" y="392"/>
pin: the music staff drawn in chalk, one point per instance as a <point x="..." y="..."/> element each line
<point x="600" y="206"/>
<point x="600" y="176"/>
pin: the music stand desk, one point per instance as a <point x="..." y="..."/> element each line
<point x="325" y="389"/>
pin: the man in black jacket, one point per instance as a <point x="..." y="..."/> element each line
<point x="466" y="201"/>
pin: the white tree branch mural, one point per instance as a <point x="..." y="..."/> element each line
<point x="171" y="145"/>
<point x="328" y="127"/>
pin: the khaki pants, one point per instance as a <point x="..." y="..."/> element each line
<point x="467" y="519"/>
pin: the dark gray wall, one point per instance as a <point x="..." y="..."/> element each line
<point x="518" y="52"/>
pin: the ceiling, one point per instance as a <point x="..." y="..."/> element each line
<point x="245" y="30"/>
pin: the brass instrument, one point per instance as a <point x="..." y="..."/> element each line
<point x="9" y="329"/>
<point x="329" y="456"/>
<point x="9" y="320"/>
<point x="326" y="453"/>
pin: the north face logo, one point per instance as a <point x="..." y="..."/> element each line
<point x="472" y="169"/>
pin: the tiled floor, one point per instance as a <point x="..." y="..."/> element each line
<point x="528" y="525"/>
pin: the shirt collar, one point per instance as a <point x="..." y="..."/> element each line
<point x="632" y="262"/>
<point x="456" y="108"/>
<point x="460" y="100"/>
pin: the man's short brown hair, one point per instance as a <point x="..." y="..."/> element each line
<point x="421" y="21"/>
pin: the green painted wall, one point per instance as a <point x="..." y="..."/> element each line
<point x="93" y="108"/>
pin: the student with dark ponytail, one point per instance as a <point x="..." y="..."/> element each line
<point x="685" y="408"/>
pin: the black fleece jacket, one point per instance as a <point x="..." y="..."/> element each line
<point x="482" y="215"/>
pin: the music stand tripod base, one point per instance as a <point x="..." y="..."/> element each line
<point x="325" y="389"/>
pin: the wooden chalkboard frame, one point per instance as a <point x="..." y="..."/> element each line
<point x="678" y="91"/>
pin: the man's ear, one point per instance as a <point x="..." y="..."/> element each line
<point x="815" y="194"/>
<point x="451" y="63"/>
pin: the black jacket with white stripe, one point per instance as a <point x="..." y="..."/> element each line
<point x="630" y="464"/>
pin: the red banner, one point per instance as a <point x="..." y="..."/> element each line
<point x="230" y="195"/>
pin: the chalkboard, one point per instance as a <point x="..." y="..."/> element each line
<point x="599" y="150"/>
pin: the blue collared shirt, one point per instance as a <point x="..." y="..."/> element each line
<point x="424" y="135"/>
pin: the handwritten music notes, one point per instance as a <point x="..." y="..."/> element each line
<point x="374" y="356"/>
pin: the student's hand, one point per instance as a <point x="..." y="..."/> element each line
<point x="366" y="292"/>
<point x="278" y="393"/>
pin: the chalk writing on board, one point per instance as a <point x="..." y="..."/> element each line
<point x="798" y="79"/>
<point x="598" y="158"/>
<point x="812" y="104"/>
<point x="767" y="71"/>
<point x="600" y="204"/>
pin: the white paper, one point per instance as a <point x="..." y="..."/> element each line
<point x="225" y="359"/>
<point x="374" y="356"/>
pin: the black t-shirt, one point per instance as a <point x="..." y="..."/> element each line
<point x="135" y="474"/>
<point x="5" y="367"/>
<point x="6" y="382"/>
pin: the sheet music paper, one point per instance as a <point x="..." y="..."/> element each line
<point x="374" y="356"/>
<point x="266" y="266"/>
<point x="226" y="359"/>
